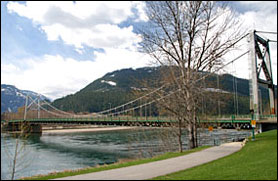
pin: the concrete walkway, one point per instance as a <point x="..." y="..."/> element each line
<point x="162" y="167"/>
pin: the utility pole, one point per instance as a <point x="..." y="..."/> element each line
<point x="150" y="111"/>
<point x="236" y="96"/>
<point x="219" y="110"/>
<point x="110" y="111"/>
<point x="141" y="109"/>
<point x="39" y="107"/>
<point x="146" y="111"/>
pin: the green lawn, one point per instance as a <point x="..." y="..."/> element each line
<point x="257" y="160"/>
<point x="112" y="166"/>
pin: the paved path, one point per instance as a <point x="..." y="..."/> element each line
<point x="162" y="167"/>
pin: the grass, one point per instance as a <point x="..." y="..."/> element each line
<point x="112" y="166"/>
<point x="257" y="160"/>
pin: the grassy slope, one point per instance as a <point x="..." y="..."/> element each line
<point x="256" y="161"/>
<point x="112" y="166"/>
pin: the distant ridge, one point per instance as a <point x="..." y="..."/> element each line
<point x="12" y="98"/>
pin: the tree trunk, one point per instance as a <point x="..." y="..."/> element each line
<point x="179" y="136"/>
<point x="185" y="37"/>
<point x="192" y="132"/>
<point x="15" y="158"/>
<point x="195" y="134"/>
<point x="191" y="142"/>
<point x="195" y="131"/>
<point x="190" y="113"/>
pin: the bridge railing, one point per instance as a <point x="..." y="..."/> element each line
<point x="211" y="119"/>
<point x="268" y="116"/>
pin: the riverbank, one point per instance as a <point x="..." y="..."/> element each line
<point x="51" y="153"/>
<point x="120" y="164"/>
<point x="162" y="167"/>
<point x="255" y="161"/>
<point x="84" y="129"/>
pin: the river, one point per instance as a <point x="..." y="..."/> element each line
<point x="57" y="152"/>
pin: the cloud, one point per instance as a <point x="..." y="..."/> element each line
<point x="55" y="76"/>
<point x="263" y="6"/>
<point x="140" y="7"/>
<point x="8" y="68"/>
<point x="93" y="24"/>
<point x="96" y="24"/>
<point x="260" y="16"/>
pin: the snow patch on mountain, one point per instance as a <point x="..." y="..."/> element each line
<point x="109" y="82"/>
<point x="216" y="90"/>
<point x="12" y="98"/>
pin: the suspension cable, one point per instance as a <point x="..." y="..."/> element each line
<point x="58" y="109"/>
<point x="105" y="111"/>
<point x="234" y="89"/>
<point x="267" y="32"/>
<point x="148" y="103"/>
<point x="133" y="101"/>
<point x="221" y="67"/>
<point x="51" y="112"/>
<point x="133" y="108"/>
<point x="31" y="103"/>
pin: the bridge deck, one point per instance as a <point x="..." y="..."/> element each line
<point x="232" y="119"/>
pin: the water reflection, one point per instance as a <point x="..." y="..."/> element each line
<point x="57" y="152"/>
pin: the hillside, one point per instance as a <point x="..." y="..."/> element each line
<point x="116" y="88"/>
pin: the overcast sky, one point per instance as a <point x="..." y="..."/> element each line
<point x="57" y="48"/>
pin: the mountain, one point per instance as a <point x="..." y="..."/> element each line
<point x="113" y="89"/>
<point x="116" y="88"/>
<point x="12" y="98"/>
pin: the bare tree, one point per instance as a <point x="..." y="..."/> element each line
<point x="187" y="37"/>
<point x="17" y="154"/>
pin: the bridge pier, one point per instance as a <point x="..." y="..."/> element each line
<point x="262" y="127"/>
<point x="36" y="128"/>
<point x="22" y="127"/>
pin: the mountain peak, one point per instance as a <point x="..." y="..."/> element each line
<point x="12" y="98"/>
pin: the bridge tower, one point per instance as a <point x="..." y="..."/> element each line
<point x="259" y="59"/>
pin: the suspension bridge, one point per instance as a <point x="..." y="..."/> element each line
<point x="138" y="112"/>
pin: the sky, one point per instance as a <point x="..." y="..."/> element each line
<point x="58" y="48"/>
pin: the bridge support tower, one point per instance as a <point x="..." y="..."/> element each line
<point x="259" y="61"/>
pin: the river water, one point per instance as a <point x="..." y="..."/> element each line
<point x="57" y="152"/>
